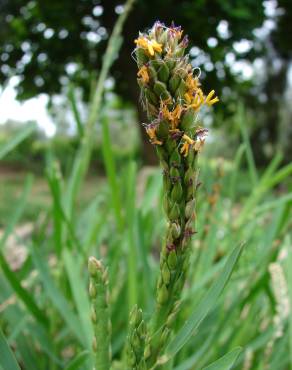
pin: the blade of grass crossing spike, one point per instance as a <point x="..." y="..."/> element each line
<point x="208" y="302"/>
<point x="57" y="297"/>
<point x="226" y="362"/>
<point x="17" y="139"/>
<point x="82" y="158"/>
<point x="111" y="172"/>
<point x="204" y="279"/>
<point x="7" y="358"/>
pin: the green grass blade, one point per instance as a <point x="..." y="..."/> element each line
<point x="17" y="139"/>
<point x="241" y="119"/>
<point x="79" y="291"/>
<point x="75" y="111"/>
<point x="7" y="359"/>
<point x="57" y="297"/>
<point x="111" y="172"/>
<point x="60" y="216"/>
<point x="24" y="295"/>
<point x="234" y="175"/>
<point x="272" y="167"/>
<point x="208" y="302"/>
<point x="131" y="222"/>
<point x="273" y="204"/>
<point x="190" y="362"/>
<point x="226" y="362"/>
<point x="21" y="203"/>
<point x="266" y="183"/>
<point x="280" y="176"/>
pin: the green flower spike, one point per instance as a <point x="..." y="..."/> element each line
<point x="99" y="314"/>
<point x="136" y="341"/>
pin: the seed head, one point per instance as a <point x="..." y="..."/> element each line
<point x="170" y="91"/>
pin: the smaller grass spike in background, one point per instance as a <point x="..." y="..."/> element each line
<point x="172" y="96"/>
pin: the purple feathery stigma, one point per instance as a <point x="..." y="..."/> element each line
<point x="157" y="28"/>
<point x="174" y="27"/>
<point x="159" y="24"/>
<point x="185" y="41"/>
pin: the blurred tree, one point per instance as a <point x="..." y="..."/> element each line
<point x="49" y="42"/>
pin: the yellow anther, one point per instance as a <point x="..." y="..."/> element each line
<point x="192" y="83"/>
<point x="176" y="113"/>
<point x="185" y="149"/>
<point x="188" y="97"/>
<point x="210" y="100"/>
<point x="172" y="116"/>
<point x="156" y="46"/>
<point x="142" y="42"/>
<point x="151" y="131"/>
<point x="195" y="101"/>
<point x="186" y="145"/>
<point x="188" y="139"/>
<point x="143" y="73"/>
<point x="149" y="45"/>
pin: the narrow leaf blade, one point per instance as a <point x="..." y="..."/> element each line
<point x="208" y="302"/>
<point x="17" y="139"/>
<point x="7" y="359"/>
<point x="225" y="362"/>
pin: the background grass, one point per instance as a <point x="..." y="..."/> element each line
<point x="45" y="315"/>
<point x="44" y="304"/>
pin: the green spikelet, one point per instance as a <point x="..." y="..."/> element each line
<point x="135" y="345"/>
<point x="99" y="314"/>
<point x="172" y="97"/>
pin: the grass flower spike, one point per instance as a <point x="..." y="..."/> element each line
<point x="100" y="317"/>
<point x="172" y="97"/>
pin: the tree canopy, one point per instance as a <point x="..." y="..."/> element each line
<point x="49" y="42"/>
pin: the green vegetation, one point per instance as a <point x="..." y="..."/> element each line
<point x="57" y="304"/>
